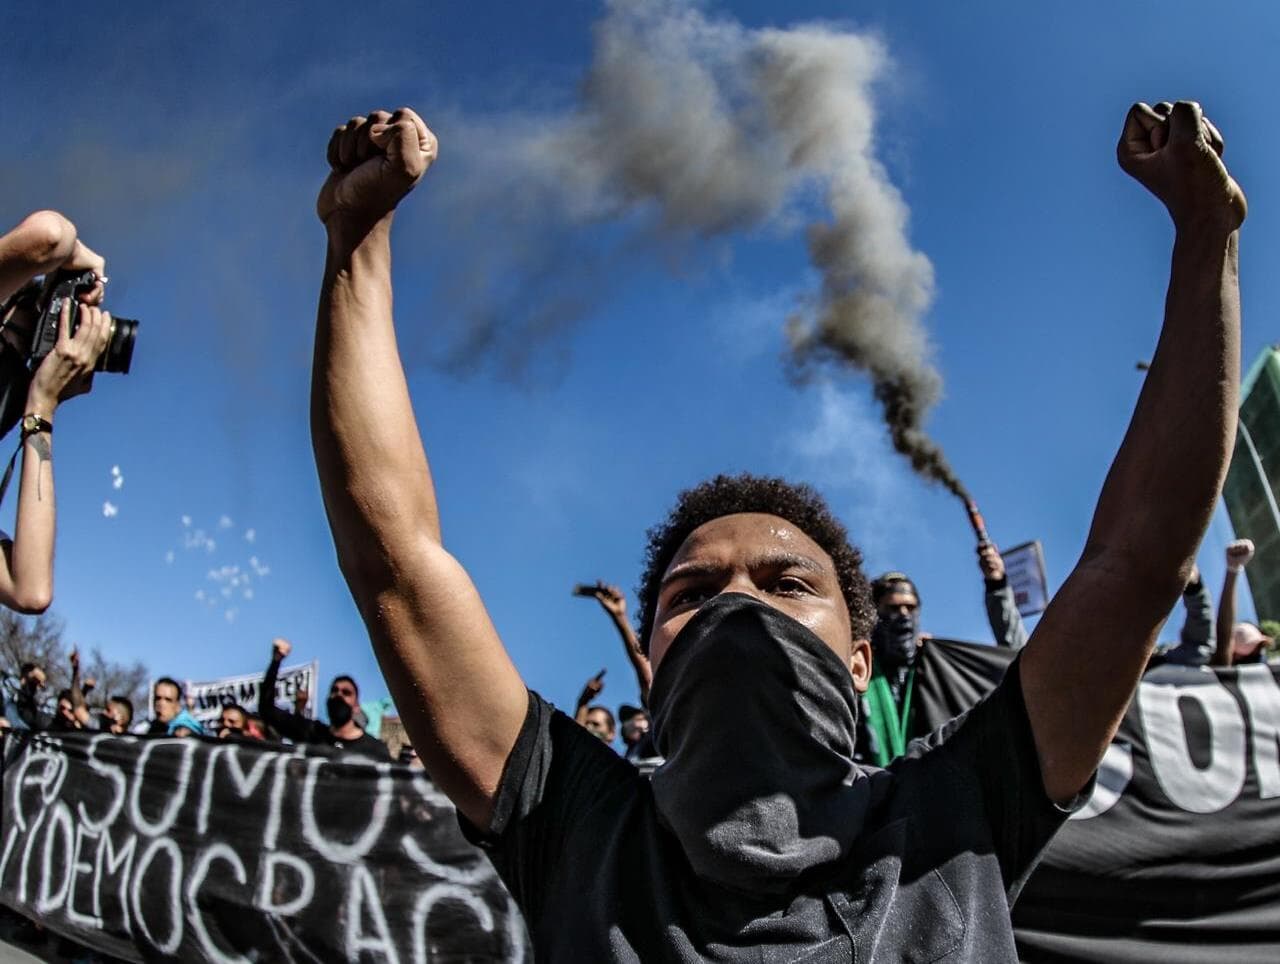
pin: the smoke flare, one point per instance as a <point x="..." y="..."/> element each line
<point x="691" y="126"/>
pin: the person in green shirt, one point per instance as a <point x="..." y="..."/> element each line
<point x="895" y="643"/>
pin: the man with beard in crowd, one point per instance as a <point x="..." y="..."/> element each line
<point x="233" y="724"/>
<point x="760" y="838"/>
<point x="886" y="720"/>
<point x="341" y="730"/>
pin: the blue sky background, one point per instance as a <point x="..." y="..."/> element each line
<point x="188" y="147"/>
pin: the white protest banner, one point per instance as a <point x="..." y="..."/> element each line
<point x="211" y="696"/>
<point x="1024" y="566"/>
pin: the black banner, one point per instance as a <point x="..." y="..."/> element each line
<point x="195" y="850"/>
<point x="198" y="850"/>
<point x="1176" y="858"/>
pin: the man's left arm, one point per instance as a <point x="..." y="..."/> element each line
<point x="1083" y="663"/>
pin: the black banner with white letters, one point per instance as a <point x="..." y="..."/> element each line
<point x="198" y="850"/>
<point x="1176" y="857"/>
<point x="194" y="850"/>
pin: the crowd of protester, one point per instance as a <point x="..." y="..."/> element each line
<point x="1207" y="637"/>
<point x="173" y="712"/>
<point x="884" y="721"/>
<point x="527" y="782"/>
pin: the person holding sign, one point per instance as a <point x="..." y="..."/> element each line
<point x="760" y="837"/>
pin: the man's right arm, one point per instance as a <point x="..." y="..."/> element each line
<point x="288" y="725"/>
<point x="461" y="699"/>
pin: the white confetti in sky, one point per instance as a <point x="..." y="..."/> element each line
<point x="231" y="582"/>
<point x="109" y="510"/>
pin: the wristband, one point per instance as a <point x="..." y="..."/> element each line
<point x="1236" y="569"/>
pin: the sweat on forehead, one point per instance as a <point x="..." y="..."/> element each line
<point x="798" y="505"/>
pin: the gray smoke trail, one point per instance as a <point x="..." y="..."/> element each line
<point x="701" y="127"/>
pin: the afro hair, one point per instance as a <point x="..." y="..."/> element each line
<point x="726" y="495"/>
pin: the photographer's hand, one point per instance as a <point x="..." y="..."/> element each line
<point x="84" y="258"/>
<point x="67" y="370"/>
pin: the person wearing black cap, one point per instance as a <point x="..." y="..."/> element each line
<point x="637" y="738"/>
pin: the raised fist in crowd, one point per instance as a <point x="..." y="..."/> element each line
<point x="1239" y="553"/>
<point x="1175" y="152"/>
<point x="280" y="649"/>
<point x="374" y="161"/>
<point x="990" y="562"/>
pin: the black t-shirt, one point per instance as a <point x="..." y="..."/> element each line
<point x="954" y="829"/>
<point x="364" y="744"/>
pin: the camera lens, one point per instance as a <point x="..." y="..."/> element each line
<point x="119" y="353"/>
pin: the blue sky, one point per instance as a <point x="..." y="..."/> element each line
<point x="188" y="148"/>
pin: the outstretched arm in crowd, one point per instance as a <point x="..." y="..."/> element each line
<point x="1238" y="555"/>
<point x="462" y="701"/>
<point x="1197" y="627"/>
<point x="293" y="726"/>
<point x="1083" y="662"/>
<point x="590" y="690"/>
<point x="614" y="602"/>
<point x="78" y="705"/>
<point x="1002" y="609"/>
<point x="43" y="242"/>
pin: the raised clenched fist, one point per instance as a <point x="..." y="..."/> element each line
<point x="1176" y="153"/>
<point x="1239" y="553"/>
<point x="374" y="161"/>
<point x="280" y="648"/>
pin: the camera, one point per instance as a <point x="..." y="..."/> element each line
<point x="60" y="286"/>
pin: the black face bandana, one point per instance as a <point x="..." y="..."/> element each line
<point x="894" y="640"/>
<point x="339" y="710"/>
<point x="756" y="719"/>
